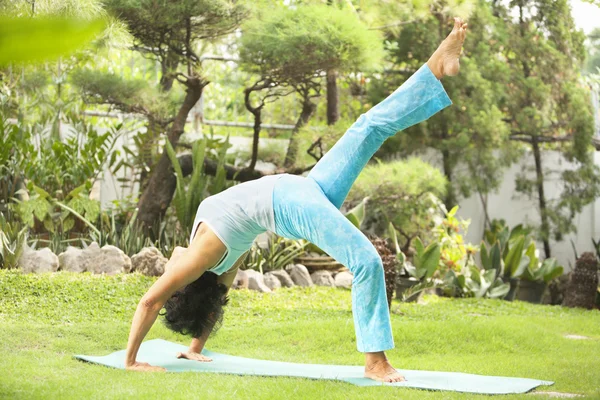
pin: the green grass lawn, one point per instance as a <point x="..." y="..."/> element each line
<point x="46" y="319"/>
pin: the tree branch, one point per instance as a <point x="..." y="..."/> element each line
<point x="521" y="137"/>
<point x="232" y="173"/>
<point x="318" y="143"/>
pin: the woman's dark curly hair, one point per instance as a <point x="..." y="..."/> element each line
<point x="197" y="309"/>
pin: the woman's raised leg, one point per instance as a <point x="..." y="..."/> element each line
<point x="421" y="96"/>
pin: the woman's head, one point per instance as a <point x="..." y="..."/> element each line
<point x="197" y="308"/>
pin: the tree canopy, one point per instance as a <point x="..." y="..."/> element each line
<point x="292" y="45"/>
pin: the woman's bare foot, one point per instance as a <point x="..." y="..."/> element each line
<point x="445" y="60"/>
<point x="143" y="366"/>
<point x="378" y="368"/>
<point x="190" y="355"/>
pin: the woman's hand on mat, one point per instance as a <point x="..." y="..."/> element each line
<point x="142" y="366"/>
<point x="190" y="355"/>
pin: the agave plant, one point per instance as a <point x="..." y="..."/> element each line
<point x="357" y="214"/>
<point x="538" y="271"/>
<point x="278" y="253"/>
<point x="186" y="200"/>
<point x="425" y="263"/>
<point x="12" y="240"/>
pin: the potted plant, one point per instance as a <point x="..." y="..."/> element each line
<point x="537" y="276"/>
<point x="510" y="247"/>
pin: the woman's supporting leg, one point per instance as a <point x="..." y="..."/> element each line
<point x="302" y="211"/>
<point x="420" y="97"/>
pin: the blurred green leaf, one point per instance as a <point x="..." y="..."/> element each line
<point x="25" y="40"/>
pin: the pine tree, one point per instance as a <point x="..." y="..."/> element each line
<point x="549" y="109"/>
<point x="169" y="33"/>
<point x="467" y="136"/>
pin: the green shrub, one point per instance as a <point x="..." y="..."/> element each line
<point x="267" y="152"/>
<point x="405" y="193"/>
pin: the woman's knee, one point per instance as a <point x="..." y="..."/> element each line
<point x="369" y="266"/>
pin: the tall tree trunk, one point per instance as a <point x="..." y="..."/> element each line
<point x="333" y="101"/>
<point x="541" y="195"/>
<point x="168" y="67"/>
<point x="487" y="223"/>
<point x="545" y="227"/>
<point x="450" y="199"/>
<point x="153" y="129"/>
<point x="255" y="138"/>
<point x="161" y="185"/>
<point x="308" y="108"/>
<point x="257" y="113"/>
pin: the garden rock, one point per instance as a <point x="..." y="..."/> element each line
<point x="241" y="280"/>
<point x="74" y="259"/>
<point x="149" y="261"/>
<point x="106" y="260"/>
<point x="283" y="276"/>
<point x="256" y="281"/>
<point x="112" y="261"/>
<point x="322" y="278"/>
<point x="272" y="281"/>
<point x="343" y="280"/>
<point x="38" y="261"/>
<point x="299" y="275"/>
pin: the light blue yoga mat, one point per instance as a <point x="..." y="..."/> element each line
<point x="163" y="353"/>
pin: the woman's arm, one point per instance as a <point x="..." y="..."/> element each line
<point x="204" y="252"/>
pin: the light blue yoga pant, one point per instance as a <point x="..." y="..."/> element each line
<point x="308" y="208"/>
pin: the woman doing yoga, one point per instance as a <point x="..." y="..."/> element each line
<point x="196" y="280"/>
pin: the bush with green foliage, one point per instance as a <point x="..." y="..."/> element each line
<point x="42" y="210"/>
<point x="405" y="193"/>
<point x="448" y="264"/>
<point x="425" y="261"/>
<point x="55" y="171"/>
<point x="15" y="147"/>
<point x="449" y="232"/>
